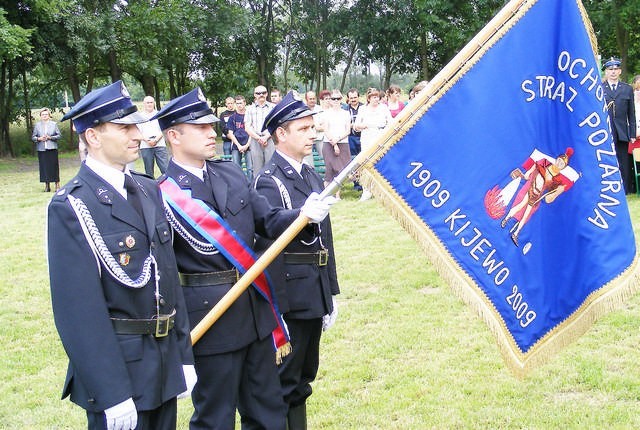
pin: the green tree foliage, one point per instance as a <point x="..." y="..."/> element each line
<point x="154" y="47"/>
<point x="223" y="64"/>
<point x="14" y="47"/>
<point x="615" y="23"/>
<point x="52" y="47"/>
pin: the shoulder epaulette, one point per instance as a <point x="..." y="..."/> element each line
<point x="269" y="170"/>
<point x="67" y="189"/>
<point x="133" y="172"/>
<point x="220" y="160"/>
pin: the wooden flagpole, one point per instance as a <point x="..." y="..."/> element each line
<point x="437" y="84"/>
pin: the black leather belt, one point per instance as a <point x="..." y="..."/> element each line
<point x="208" y="279"/>
<point x="321" y="258"/>
<point x="159" y="327"/>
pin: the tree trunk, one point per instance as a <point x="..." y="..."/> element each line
<point x="114" y="69"/>
<point x="388" y="67"/>
<point x="352" y="52"/>
<point x="3" y="69"/>
<point x="424" y="55"/>
<point x="285" y="66"/>
<point x="27" y="104"/>
<point x="172" y="83"/>
<point x="6" y="93"/>
<point x="91" y="69"/>
<point x="72" y="81"/>
<point x="147" y="82"/>
<point x="156" y="91"/>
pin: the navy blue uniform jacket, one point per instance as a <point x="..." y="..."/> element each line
<point x="304" y="290"/>
<point x="106" y="368"/>
<point x="622" y="112"/>
<point x="246" y="212"/>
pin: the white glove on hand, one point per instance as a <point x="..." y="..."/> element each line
<point x="122" y="416"/>
<point x="330" y="319"/>
<point x="315" y="209"/>
<point x="190" y="378"/>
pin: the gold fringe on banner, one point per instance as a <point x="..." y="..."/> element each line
<point x="607" y="298"/>
<point x="611" y="296"/>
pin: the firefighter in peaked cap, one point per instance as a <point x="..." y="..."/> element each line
<point x="620" y="104"/>
<point x="305" y="273"/>
<point x="116" y="296"/>
<point x="216" y="214"/>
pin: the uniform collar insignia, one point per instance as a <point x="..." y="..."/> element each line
<point x="184" y="180"/>
<point x="104" y="195"/>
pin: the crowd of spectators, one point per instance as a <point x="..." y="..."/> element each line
<point x="344" y="126"/>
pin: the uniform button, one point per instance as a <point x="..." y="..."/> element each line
<point x="91" y="400"/>
<point x="120" y="244"/>
<point x="206" y="302"/>
<point x="242" y="201"/>
<point x="162" y="302"/>
<point x="166" y="233"/>
<point x="75" y="182"/>
<point x="153" y="244"/>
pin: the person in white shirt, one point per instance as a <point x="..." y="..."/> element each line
<point x="260" y="142"/>
<point x="152" y="145"/>
<point x="372" y="120"/>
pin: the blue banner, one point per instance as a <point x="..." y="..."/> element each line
<point x="507" y="175"/>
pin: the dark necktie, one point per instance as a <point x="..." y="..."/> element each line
<point x="613" y="87"/>
<point x="207" y="179"/>
<point x="306" y="175"/>
<point x="133" y="194"/>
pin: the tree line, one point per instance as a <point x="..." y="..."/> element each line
<point x="49" y="47"/>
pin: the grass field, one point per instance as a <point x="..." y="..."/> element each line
<point x="404" y="353"/>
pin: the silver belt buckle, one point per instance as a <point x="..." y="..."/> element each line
<point x="162" y="325"/>
<point x="323" y="257"/>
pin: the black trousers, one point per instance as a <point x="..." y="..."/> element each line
<point x="246" y="380"/>
<point x="162" y="418"/>
<point x="626" y="168"/>
<point x="300" y="368"/>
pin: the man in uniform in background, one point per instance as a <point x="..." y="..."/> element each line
<point x="620" y="102"/>
<point x="215" y="214"/>
<point x="117" y="301"/>
<point x="305" y="274"/>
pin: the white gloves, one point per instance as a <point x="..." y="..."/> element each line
<point x="122" y="416"/>
<point x="330" y="319"/>
<point x="315" y="209"/>
<point x="190" y="378"/>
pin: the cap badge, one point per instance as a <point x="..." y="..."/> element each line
<point x="124" y="91"/>
<point x="201" y="96"/>
<point x="296" y="95"/>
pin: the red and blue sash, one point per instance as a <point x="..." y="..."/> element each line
<point x="217" y="232"/>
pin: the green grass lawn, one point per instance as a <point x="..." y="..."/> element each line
<point x="405" y="353"/>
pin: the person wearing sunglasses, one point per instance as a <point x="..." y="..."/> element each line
<point x="260" y="142"/>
